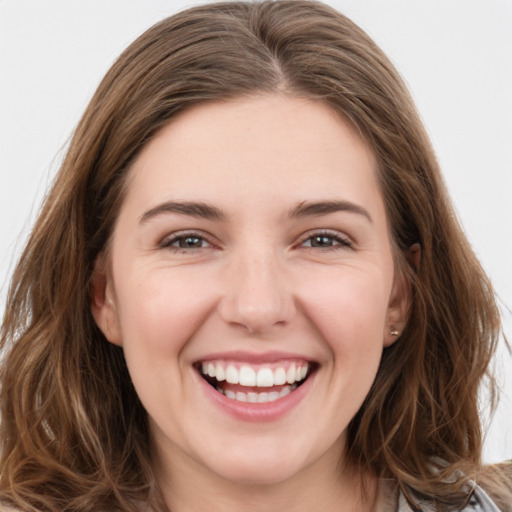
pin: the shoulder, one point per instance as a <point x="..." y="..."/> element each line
<point x="479" y="502"/>
<point x="496" y="480"/>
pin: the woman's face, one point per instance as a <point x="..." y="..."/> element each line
<point x="252" y="246"/>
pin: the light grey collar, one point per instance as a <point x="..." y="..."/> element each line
<point x="480" y="502"/>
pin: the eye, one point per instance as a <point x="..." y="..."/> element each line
<point x="326" y="240"/>
<point x="185" y="241"/>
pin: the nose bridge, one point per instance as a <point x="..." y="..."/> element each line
<point x="258" y="296"/>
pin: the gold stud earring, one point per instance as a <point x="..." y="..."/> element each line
<point x="394" y="332"/>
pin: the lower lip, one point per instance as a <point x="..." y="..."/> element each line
<point x="257" y="412"/>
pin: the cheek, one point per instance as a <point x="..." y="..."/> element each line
<point x="349" y="309"/>
<point x="160" y="310"/>
<point x="159" y="313"/>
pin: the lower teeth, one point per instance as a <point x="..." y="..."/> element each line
<point x="253" y="397"/>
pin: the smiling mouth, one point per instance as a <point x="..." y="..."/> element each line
<point x="243" y="382"/>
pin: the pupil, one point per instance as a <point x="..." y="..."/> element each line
<point x="321" y="241"/>
<point x="190" y="241"/>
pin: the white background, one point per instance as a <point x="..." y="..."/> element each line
<point x="455" y="55"/>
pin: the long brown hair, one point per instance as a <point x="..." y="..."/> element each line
<point x="74" y="435"/>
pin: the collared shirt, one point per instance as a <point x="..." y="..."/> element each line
<point x="390" y="500"/>
<point x="479" y="502"/>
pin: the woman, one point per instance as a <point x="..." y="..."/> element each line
<point x="259" y="296"/>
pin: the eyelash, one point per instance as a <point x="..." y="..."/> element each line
<point x="337" y="240"/>
<point x="168" y="243"/>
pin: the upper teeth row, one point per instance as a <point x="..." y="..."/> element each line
<point x="263" y="377"/>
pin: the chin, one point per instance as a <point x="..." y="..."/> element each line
<point x="258" y="468"/>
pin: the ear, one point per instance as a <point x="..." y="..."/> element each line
<point x="401" y="297"/>
<point x="103" y="306"/>
<point x="413" y="257"/>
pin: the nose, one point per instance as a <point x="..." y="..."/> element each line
<point x="258" y="296"/>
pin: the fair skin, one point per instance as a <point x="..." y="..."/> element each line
<point x="289" y="264"/>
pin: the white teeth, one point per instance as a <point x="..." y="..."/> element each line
<point x="285" y="391"/>
<point x="263" y="398"/>
<point x="241" y="397"/>
<point x="260" y="398"/>
<point x="247" y="376"/>
<point x="230" y="394"/>
<point x="252" y="397"/>
<point x="220" y="373"/>
<point x="232" y="375"/>
<point x="265" y="378"/>
<point x="290" y="374"/>
<point x="279" y="377"/>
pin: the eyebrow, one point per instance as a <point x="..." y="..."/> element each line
<point x="206" y="211"/>
<point x="307" y="209"/>
<point x="189" y="208"/>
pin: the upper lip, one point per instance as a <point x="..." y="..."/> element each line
<point x="254" y="357"/>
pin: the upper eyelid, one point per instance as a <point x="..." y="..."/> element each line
<point x="170" y="238"/>
<point x="327" y="232"/>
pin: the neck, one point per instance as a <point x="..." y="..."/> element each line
<point x="323" y="485"/>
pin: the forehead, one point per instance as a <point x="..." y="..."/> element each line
<point x="255" y="148"/>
